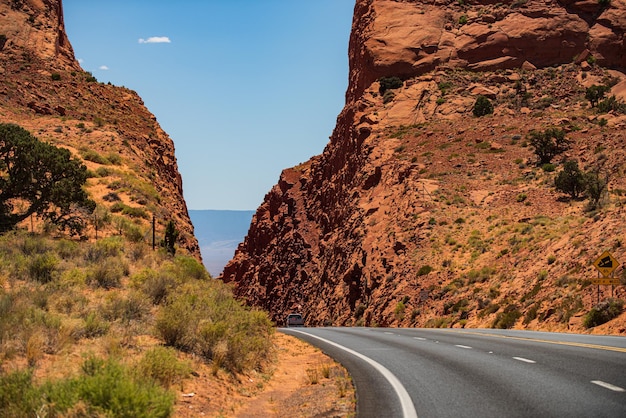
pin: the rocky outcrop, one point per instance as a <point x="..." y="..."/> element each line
<point x="417" y="213"/>
<point x="44" y="90"/>
<point x="409" y="38"/>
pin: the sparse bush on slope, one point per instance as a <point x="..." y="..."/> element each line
<point x="61" y="292"/>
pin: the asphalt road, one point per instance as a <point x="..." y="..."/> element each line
<point x="409" y="372"/>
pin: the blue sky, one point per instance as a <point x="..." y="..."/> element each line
<point x="245" y="88"/>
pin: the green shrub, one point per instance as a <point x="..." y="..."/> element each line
<point x="482" y="106"/>
<point x="108" y="274"/>
<point x="106" y="388"/>
<point x="388" y="96"/>
<point x="206" y="320"/>
<point x="93" y="156"/>
<point x="548" y="144"/>
<point x="155" y="284"/>
<point x="463" y="20"/>
<point x="603" y="312"/>
<point x="189" y="267"/>
<point x="507" y="318"/>
<point x="114" y="159"/>
<point x="424" y="270"/>
<point x="611" y="104"/>
<point x="104" y="248"/>
<point x="43" y="267"/>
<point x="389" y="83"/>
<point x="596" y="187"/>
<point x="399" y="311"/>
<point x="18" y="397"/>
<point x="161" y="365"/>
<point x="595" y="93"/>
<point x="571" y="180"/>
<point x="95" y="326"/>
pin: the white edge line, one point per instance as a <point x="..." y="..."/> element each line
<point x="608" y="386"/>
<point x="408" y="409"/>
<point x="525" y="360"/>
<point x="463" y="346"/>
<point x="419" y="338"/>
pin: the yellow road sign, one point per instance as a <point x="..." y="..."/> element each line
<point x="606" y="264"/>
<point x="606" y="281"/>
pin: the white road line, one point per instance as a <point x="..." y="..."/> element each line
<point x="608" y="386"/>
<point x="408" y="409"/>
<point x="463" y="346"/>
<point x="388" y="333"/>
<point x="525" y="360"/>
<point x="419" y="338"/>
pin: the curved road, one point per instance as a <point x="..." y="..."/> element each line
<point x="409" y="372"/>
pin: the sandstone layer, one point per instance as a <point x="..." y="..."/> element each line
<point x="417" y="213"/>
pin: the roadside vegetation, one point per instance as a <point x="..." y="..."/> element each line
<point x="135" y="319"/>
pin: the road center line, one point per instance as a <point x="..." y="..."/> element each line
<point x="608" y="386"/>
<point x="538" y="340"/>
<point x="463" y="346"/>
<point x="408" y="409"/>
<point x="525" y="360"/>
<point x="419" y="338"/>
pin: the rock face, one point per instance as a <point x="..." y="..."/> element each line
<point x="44" y="90"/>
<point x="417" y="213"/>
<point x="408" y="38"/>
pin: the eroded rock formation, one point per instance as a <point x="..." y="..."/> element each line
<point x="418" y="213"/>
<point x="44" y="89"/>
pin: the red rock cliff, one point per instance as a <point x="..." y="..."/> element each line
<point x="44" y="90"/>
<point x="419" y="213"/>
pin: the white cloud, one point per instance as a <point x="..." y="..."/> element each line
<point x="80" y="60"/>
<point x="155" y="40"/>
<point x="104" y="67"/>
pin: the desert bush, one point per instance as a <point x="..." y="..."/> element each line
<point x="596" y="187"/>
<point x="107" y="388"/>
<point x="389" y="83"/>
<point x="161" y="365"/>
<point x="205" y="319"/>
<point x="611" y="104"/>
<point x="507" y="318"/>
<point x="131" y="308"/>
<point x="18" y="397"/>
<point x="107" y="274"/>
<point x="94" y="157"/>
<point x="388" y="96"/>
<point x="399" y="311"/>
<point x="43" y="267"/>
<point x="95" y="326"/>
<point x="548" y="144"/>
<point x="114" y="159"/>
<point x="191" y="268"/>
<point x="595" y="93"/>
<point x="67" y="249"/>
<point x="482" y="106"/>
<point x="155" y="284"/>
<point x="571" y="180"/>
<point x="424" y="270"/>
<point x="103" y="249"/>
<point x="133" y="233"/>
<point x="603" y="312"/>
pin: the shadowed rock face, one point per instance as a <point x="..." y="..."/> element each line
<point x="417" y="213"/>
<point x="44" y="89"/>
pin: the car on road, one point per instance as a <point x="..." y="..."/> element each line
<point x="294" y="320"/>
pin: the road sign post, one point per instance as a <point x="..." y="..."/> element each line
<point x="606" y="265"/>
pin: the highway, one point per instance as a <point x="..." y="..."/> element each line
<point x="410" y="372"/>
